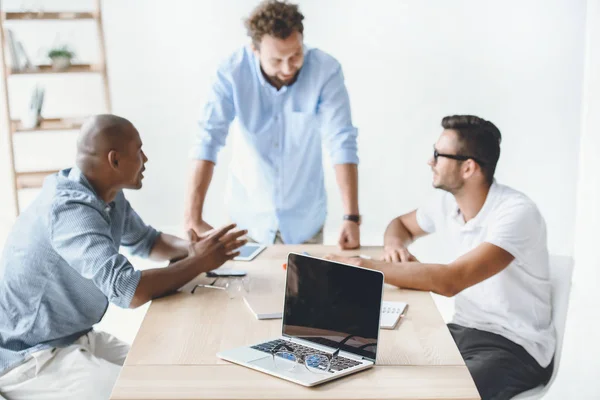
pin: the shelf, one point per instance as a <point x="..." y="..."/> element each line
<point x="63" y="16"/>
<point x="49" y="124"/>
<point x="47" y="69"/>
<point x="32" y="179"/>
<point x="67" y="126"/>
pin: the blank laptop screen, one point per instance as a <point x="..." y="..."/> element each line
<point x="330" y="304"/>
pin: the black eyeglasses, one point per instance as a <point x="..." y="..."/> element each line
<point x="455" y="157"/>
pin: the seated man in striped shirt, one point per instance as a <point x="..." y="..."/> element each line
<point x="61" y="266"/>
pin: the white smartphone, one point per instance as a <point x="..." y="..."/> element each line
<point x="249" y="251"/>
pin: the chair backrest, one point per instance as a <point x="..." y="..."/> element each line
<point x="561" y="273"/>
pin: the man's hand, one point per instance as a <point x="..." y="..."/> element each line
<point x="397" y="254"/>
<point x="358" y="261"/>
<point x="214" y="249"/>
<point x="349" y="236"/>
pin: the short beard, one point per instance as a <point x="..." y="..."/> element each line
<point x="279" y="83"/>
<point x="453" y="189"/>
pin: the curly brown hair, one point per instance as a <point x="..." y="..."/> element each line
<point x="276" y="18"/>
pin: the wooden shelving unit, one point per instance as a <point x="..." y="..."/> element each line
<point x="48" y="124"/>
<point x="34" y="179"/>
<point x="47" y="69"/>
<point x="49" y="16"/>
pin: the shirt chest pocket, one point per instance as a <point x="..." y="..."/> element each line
<point x="301" y="126"/>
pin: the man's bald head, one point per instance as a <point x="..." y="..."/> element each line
<point x="102" y="133"/>
<point x="109" y="152"/>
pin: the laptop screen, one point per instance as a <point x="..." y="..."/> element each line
<point x="333" y="304"/>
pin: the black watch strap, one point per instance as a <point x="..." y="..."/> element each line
<point x="352" y="217"/>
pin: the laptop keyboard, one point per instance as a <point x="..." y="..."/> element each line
<point x="337" y="364"/>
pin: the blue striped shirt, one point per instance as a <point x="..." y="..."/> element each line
<point x="61" y="265"/>
<point x="276" y="177"/>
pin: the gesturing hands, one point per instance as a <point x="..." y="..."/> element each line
<point x="215" y="247"/>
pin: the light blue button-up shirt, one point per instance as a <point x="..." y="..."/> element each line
<point x="276" y="175"/>
<point x="61" y="266"/>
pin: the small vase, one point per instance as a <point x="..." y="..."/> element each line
<point x="61" y="63"/>
<point x="30" y="120"/>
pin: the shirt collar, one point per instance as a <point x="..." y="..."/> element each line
<point x="477" y="221"/>
<point x="76" y="175"/>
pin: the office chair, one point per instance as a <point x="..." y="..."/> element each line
<point x="561" y="272"/>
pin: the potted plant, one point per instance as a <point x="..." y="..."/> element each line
<point x="61" y="57"/>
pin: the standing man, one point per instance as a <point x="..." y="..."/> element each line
<point x="501" y="278"/>
<point x="289" y="100"/>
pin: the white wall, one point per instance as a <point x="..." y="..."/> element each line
<point x="407" y="64"/>
<point x="578" y="377"/>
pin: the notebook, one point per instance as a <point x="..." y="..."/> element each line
<point x="265" y="306"/>
<point x="391" y="312"/>
<point x="270" y="306"/>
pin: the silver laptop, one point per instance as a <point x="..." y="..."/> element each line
<point x="330" y="324"/>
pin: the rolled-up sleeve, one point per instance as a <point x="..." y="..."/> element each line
<point x="81" y="235"/>
<point x="338" y="132"/>
<point x="216" y="117"/>
<point x="138" y="238"/>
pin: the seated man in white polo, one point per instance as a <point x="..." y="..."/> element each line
<point x="61" y="266"/>
<point x="502" y="324"/>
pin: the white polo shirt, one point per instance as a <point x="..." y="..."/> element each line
<point x="515" y="303"/>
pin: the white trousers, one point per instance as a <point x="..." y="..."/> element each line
<point x="87" y="369"/>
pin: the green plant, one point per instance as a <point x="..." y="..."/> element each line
<point x="62" y="51"/>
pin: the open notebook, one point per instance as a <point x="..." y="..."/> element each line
<point x="270" y="306"/>
<point x="265" y="306"/>
<point x="391" y="312"/>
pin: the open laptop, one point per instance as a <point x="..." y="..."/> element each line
<point x="330" y="324"/>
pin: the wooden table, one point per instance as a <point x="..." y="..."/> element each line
<point x="174" y="353"/>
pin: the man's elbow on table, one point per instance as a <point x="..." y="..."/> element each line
<point x="447" y="289"/>
<point x="140" y="297"/>
<point x="450" y="280"/>
<point x="138" y="300"/>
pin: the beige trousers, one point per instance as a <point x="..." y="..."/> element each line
<point x="87" y="369"/>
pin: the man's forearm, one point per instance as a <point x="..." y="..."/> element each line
<point x="397" y="235"/>
<point x="158" y="282"/>
<point x="200" y="178"/>
<point x="169" y="247"/>
<point x="435" y="278"/>
<point x="347" y="179"/>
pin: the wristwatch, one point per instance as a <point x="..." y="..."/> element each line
<point x="353" y="217"/>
